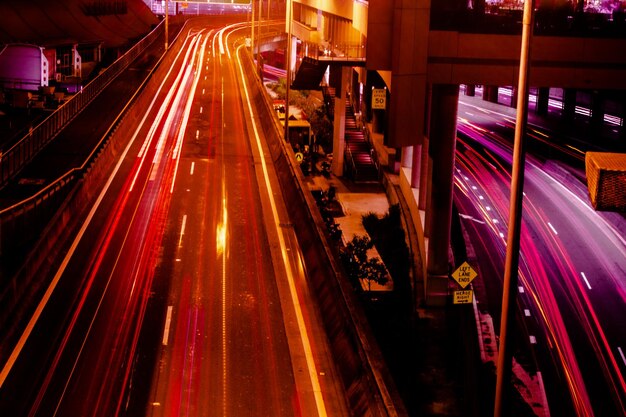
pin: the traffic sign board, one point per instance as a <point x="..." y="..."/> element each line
<point x="464" y="274"/>
<point x="463" y="296"/>
<point x="299" y="157"/>
<point x="379" y="98"/>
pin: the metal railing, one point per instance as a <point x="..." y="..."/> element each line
<point x="15" y="158"/>
<point x="352" y="170"/>
<point x="351" y="52"/>
<point x="18" y="221"/>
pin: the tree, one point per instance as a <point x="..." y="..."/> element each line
<point x="359" y="266"/>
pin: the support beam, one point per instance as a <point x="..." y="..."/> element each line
<point x="597" y="109"/>
<point x="543" y="97"/>
<point x="490" y="93"/>
<point x="416" y="165"/>
<point x="514" y="95"/>
<point x="569" y="104"/>
<point x="444" y="106"/>
<point x="339" y="122"/>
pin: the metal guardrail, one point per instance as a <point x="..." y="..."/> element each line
<point x="15" y="158"/>
<point x="19" y="220"/>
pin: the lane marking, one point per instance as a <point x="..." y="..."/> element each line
<point x="527" y="312"/>
<point x="68" y="256"/>
<point x="6" y="369"/>
<point x="468" y="217"/>
<point x="553" y="229"/>
<point x="182" y="231"/>
<point x="168" y="323"/>
<point x="533" y="340"/>
<point x="586" y="280"/>
<point x="193" y="166"/>
<point x="621" y="353"/>
<point x="304" y="337"/>
<point x="521" y="289"/>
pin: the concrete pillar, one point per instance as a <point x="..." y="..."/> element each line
<point x="543" y="96"/>
<point x="490" y="93"/>
<point x="409" y="67"/>
<point x="442" y="147"/>
<point x="569" y="103"/>
<point x="514" y="95"/>
<point x="470" y="90"/>
<point x="339" y="122"/>
<point x="623" y="116"/>
<point x="407" y="156"/>
<point x="424" y="187"/>
<point x="416" y="166"/>
<point x="426" y="165"/>
<point x="597" y="109"/>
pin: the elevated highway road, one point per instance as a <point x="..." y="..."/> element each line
<point x="181" y="293"/>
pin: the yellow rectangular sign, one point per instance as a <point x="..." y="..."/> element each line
<point x="379" y="98"/>
<point x="463" y="296"/>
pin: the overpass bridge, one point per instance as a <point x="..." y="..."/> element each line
<point x="421" y="54"/>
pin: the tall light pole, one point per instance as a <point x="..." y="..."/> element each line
<point x="288" y="75"/>
<point x="509" y="291"/>
<point x="258" y="39"/>
<point x="252" y="34"/>
<point x="167" y="12"/>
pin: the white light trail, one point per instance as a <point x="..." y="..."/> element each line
<point x="182" y="231"/>
<point x="168" y="323"/>
<point x="552" y="228"/>
<point x="621" y="354"/>
<point x="586" y="280"/>
<point x="306" y="344"/>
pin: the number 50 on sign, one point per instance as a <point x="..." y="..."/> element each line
<point x="379" y="98"/>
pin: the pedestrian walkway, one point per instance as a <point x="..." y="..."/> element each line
<point x="356" y="201"/>
<point x="361" y="164"/>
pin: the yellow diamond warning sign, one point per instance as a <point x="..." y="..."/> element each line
<point x="464" y="275"/>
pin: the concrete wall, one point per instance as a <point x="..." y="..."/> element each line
<point x="464" y="58"/>
<point x="369" y="388"/>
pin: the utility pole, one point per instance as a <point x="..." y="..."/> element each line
<point x="258" y="40"/>
<point x="509" y="292"/>
<point x="288" y="59"/>
<point x="167" y="12"/>
<point x="252" y="35"/>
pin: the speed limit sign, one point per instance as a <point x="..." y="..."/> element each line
<point x="379" y="98"/>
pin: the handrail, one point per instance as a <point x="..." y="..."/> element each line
<point x="24" y="150"/>
<point x="41" y="194"/>
<point x="353" y="170"/>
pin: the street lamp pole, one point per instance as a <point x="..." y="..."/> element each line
<point x="258" y="39"/>
<point x="252" y="34"/>
<point x="167" y="12"/>
<point x="509" y="292"/>
<point x="288" y="75"/>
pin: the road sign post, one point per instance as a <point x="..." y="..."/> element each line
<point x="464" y="275"/>
<point x="463" y="297"/>
<point x="379" y="98"/>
